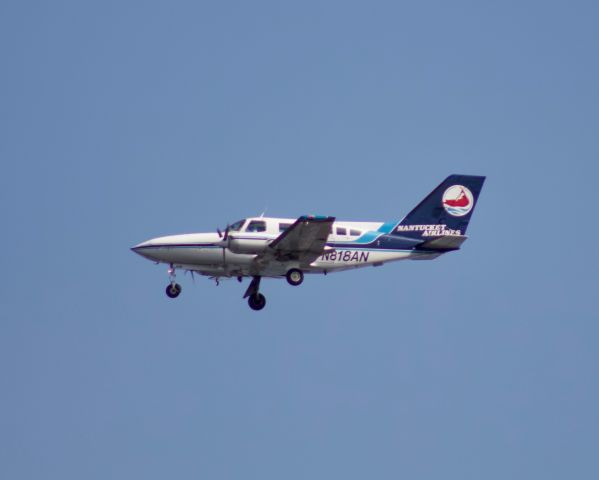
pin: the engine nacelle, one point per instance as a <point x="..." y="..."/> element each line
<point x="248" y="246"/>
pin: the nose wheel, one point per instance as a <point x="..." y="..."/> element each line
<point x="173" y="289"/>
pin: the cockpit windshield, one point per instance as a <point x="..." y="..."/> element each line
<point x="236" y="226"/>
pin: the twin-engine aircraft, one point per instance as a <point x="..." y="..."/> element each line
<point x="288" y="248"/>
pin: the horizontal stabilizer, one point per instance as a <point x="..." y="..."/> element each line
<point x="447" y="242"/>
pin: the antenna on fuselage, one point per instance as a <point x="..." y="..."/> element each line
<point x="264" y="212"/>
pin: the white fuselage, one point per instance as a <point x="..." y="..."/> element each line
<point x="349" y="245"/>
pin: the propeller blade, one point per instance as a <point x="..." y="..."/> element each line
<point x="220" y="234"/>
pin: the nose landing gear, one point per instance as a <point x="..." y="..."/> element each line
<point x="173" y="289"/>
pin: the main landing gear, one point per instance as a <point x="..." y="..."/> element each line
<point x="173" y="289"/>
<point x="294" y="277"/>
<point x="256" y="300"/>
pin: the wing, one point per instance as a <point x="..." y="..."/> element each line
<point x="304" y="241"/>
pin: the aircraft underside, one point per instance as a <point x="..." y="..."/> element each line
<point x="240" y="265"/>
<point x="226" y="264"/>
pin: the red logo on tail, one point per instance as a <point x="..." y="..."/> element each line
<point x="461" y="201"/>
<point x="458" y="200"/>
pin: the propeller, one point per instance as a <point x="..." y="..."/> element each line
<point x="224" y="236"/>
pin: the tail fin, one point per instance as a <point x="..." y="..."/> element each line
<point x="445" y="211"/>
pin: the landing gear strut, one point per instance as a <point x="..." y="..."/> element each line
<point x="256" y="300"/>
<point x="173" y="289"/>
<point x="294" y="277"/>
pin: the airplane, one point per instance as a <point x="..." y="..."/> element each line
<point x="288" y="248"/>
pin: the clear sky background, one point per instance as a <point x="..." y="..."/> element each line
<point x="121" y="121"/>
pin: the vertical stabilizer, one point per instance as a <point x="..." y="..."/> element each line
<point x="445" y="211"/>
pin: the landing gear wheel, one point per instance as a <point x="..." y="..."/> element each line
<point x="294" y="277"/>
<point x="257" y="301"/>
<point x="173" y="290"/>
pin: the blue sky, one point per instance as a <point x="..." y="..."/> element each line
<point x="122" y="121"/>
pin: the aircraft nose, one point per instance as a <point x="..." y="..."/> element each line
<point x="140" y="248"/>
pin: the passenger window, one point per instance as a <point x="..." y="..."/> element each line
<point x="256" y="226"/>
<point x="341" y="231"/>
<point x="355" y="233"/>
<point x="283" y="227"/>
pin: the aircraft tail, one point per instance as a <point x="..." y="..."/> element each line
<point x="445" y="211"/>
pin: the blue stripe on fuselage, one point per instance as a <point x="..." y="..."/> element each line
<point x="371" y="236"/>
